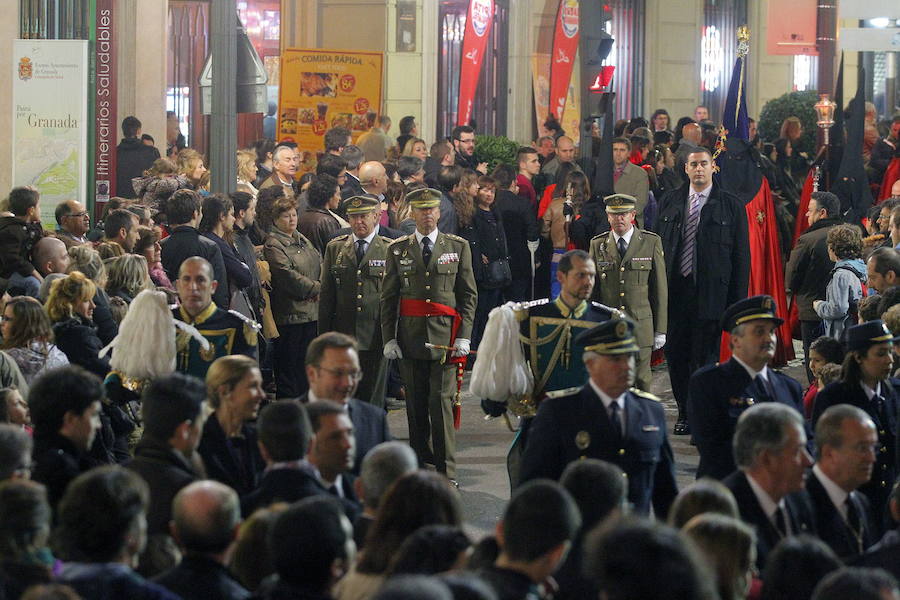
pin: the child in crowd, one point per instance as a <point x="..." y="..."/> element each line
<point x="18" y="235"/>
<point x="823" y="351"/>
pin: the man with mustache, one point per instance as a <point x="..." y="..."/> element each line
<point x="719" y="393"/>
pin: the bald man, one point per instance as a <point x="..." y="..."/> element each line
<point x="50" y="255"/>
<point x="691" y="134"/>
<point x="373" y="178"/>
<point x="895" y="189"/>
<point x="565" y="153"/>
<point x="205" y="519"/>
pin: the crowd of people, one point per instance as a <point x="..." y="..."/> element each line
<point x="195" y="388"/>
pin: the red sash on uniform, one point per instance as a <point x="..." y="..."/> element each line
<point x="413" y="307"/>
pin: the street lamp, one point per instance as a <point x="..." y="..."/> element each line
<point x="825" y="111"/>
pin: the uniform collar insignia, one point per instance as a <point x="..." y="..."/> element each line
<point x="201" y="318"/>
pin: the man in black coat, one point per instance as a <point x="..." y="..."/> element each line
<point x="605" y="420"/>
<point x="285" y="434"/>
<point x="165" y="457"/>
<point x="770" y="451"/>
<point x="133" y="157"/>
<point x="522" y="233"/>
<point x="65" y="414"/>
<point x="707" y="251"/>
<point x="846" y="441"/>
<point x="809" y="267"/>
<point x="185" y="241"/>
<point x="206" y="516"/>
<point x="332" y="367"/>
<point x="720" y="393"/>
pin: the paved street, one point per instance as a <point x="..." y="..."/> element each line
<point x="482" y="447"/>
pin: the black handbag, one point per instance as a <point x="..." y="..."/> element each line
<point x="497" y="274"/>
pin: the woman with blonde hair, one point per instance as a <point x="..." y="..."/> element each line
<point x="28" y="337"/>
<point x="228" y="446"/>
<point x="70" y="308"/>
<point x="89" y="263"/>
<point x="246" y="172"/>
<point x="416" y="147"/>
<point x="729" y="546"/>
<point x="190" y="164"/>
<point x="128" y="277"/>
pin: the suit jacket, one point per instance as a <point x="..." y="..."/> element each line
<point x="799" y="515"/>
<point x="717" y="397"/>
<point x="635" y="283"/>
<point x="832" y="527"/>
<point x="721" y="251"/>
<point x="520" y="226"/>
<point x="351" y="187"/>
<point x="370" y="428"/>
<point x="883" y="555"/>
<point x="201" y="578"/>
<point x="809" y="268"/>
<point x="447" y="279"/>
<point x="885" y="470"/>
<point x="568" y="428"/>
<point x="166" y="472"/>
<point x="291" y="485"/>
<point x="634" y="182"/>
<point x="350" y="296"/>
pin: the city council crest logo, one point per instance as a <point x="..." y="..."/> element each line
<point x="25" y="68"/>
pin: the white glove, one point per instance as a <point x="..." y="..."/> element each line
<point x="533" y="246"/>
<point x="659" y="340"/>
<point x="461" y="347"/>
<point x="392" y="350"/>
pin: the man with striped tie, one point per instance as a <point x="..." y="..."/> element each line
<point x="707" y="252"/>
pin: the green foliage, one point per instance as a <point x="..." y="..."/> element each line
<point x="495" y="150"/>
<point x="792" y="104"/>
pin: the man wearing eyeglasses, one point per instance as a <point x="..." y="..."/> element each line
<point x="332" y="368"/>
<point x="74" y="221"/>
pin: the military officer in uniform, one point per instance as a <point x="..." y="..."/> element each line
<point x="548" y="331"/>
<point x="228" y="332"/>
<point x="350" y="297"/>
<point x="631" y="276"/>
<point x="720" y="393"/>
<point x="429" y="296"/>
<point x="605" y="419"/>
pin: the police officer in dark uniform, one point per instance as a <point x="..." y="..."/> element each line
<point x="866" y="383"/>
<point x="228" y="332"/>
<point x="605" y="419"/>
<point x="720" y="393"/>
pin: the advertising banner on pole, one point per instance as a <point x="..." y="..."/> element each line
<point x="321" y="89"/>
<point x="105" y="115"/>
<point x="478" y="28"/>
<point x="562" y="59"/>
<point x="571" y="117"/>
<point x="49" y="137"/>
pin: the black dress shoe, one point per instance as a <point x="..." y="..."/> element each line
<point x="681" y="427"/>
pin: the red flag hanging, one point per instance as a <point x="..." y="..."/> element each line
<point x="565" y="44"/>
<point x="478" y="27"/>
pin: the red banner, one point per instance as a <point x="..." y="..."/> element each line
<point x="478" y="27"/>
<point x="105" y="127"/>
<point x="565" y="44"/>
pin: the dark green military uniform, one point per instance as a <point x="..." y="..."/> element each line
<point x="411" y="286"/>
<point x="350" y="299"/>
<point x="634" y="283"/>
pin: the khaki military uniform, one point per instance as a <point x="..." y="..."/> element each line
<point x="635" y="284"/>
<point x="350" y="302"/>
<point x="446" y="280"/>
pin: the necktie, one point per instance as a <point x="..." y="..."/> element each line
<point x="360" y="250"/>
<point x="767" y="386"/>
<point x="780" y="524"/>
<point x="686" y="263"/>
<point x="623" y="247"/>
<point x="426" y="250"/>
<point x="615" y="420"/>
<point x="854" y="523"/>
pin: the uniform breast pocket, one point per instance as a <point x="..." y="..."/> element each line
<point x="640" y="270"/>
<point x="448" y="273"/>
<point x="406" y="272"/>
<point x="376" y="272"/>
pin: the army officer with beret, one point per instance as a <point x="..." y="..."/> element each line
<point x="429" y="296"/>
<point x="631" y="276"/>
<point x="350" y="299"/>
<point x="605" y="419"/>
